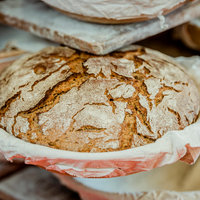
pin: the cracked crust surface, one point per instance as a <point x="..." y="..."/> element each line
<point x="76" y="101"/>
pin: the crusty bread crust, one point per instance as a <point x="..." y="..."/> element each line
<point x="103" y="20"/>
<point x="76" y="101"/>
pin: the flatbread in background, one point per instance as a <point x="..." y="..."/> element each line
<point x="36" y="17"/>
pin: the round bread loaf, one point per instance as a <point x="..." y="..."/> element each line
<point x="115" y="11"/>
<point x="71" y="100"/>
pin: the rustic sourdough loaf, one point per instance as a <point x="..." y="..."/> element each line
<point x="71" y="100"/>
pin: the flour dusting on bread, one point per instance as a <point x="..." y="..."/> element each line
<point x="76" y="101"/>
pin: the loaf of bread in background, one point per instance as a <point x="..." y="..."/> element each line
<point x="115" y="11"/>
<point x="189" y="34"/>
<point x="72" y="100"/>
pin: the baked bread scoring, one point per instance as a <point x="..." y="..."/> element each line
<point x="71" y="100"/>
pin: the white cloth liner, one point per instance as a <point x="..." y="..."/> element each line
<point x="176" y="177"/>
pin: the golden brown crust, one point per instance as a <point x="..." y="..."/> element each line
<point x="76" y="101"/>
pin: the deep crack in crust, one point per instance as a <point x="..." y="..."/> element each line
<point x="76" y="101"/>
